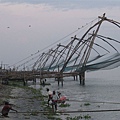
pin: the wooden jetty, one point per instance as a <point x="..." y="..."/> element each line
<point x="26" y="76"/>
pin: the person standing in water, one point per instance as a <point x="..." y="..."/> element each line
<point x="54" y="101"/>
<point x="49" y="95"/>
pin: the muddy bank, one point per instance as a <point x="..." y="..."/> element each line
<point x="26" y="101"/>
<point x="4" y="93"/>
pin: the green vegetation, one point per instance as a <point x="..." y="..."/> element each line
<point x="50" y="114"/>
<point x="36" y="94"/>
<point x="16" y="83"/>
<point x="64" y="105"/>
<point x="34" y="113"/>
<point x="86" y="117"/>
<point x="86" y="104"/>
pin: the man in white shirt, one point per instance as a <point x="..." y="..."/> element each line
<point x="49" y="95"/>
<point x="54" y="101"/>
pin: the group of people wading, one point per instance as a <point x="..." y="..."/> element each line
<point x="55" y="97"/>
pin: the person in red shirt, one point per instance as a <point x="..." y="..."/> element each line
<point x="5" y="110"/>
<point x="62" y="98"/>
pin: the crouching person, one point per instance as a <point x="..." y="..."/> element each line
<point x="54" y="101"/>
<point x="5" y="110"/>
<point x="62" y="98"/>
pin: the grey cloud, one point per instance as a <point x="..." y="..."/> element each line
<point x="71" y="4"/>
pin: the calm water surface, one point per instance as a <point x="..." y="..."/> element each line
<point x="102" y="93"/>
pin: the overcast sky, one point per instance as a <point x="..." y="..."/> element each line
<point x="27" y="26"/>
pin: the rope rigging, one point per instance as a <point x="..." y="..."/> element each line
<point x="77" y="53"/>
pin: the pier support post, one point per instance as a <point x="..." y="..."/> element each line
<point x="24" y="79"/>
<point x="24" y="83"/>
<point x="74" y="77"/>
<point x="82" y="78"/>
<point x="33" y="76"/>
<point x="34" y="80"/>
<point x="60" y="79"/>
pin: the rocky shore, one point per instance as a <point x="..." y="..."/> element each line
<point x="28" y="102"/>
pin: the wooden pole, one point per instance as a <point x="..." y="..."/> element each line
<point x="80" y="79"/>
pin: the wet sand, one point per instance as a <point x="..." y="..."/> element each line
<point x="26" y="102"/>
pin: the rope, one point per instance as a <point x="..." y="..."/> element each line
<point x="44" y="48"/>
<point x="75" y="111"/>
<point x="39" y="51"/>
<point x="16" y="97"/>
<point x="109" y="102"/>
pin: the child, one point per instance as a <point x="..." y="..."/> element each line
<point x="5" y="110"/>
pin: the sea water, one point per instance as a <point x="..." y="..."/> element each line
<point x="100" y="92"/>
